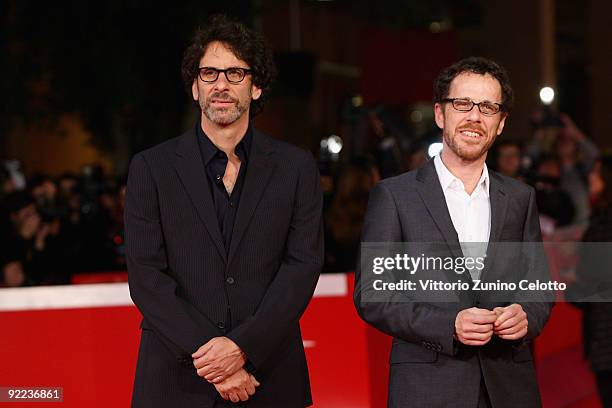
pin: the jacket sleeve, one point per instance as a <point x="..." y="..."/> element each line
<point x="292" y="288"/>
<point x="415" y="322"/>
<point x="179" y="325"/>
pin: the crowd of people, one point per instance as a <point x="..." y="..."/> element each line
<point x="559" y="161"/>
<point x="52" y="228"/>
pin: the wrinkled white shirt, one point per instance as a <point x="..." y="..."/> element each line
<point x="470" y="213"/>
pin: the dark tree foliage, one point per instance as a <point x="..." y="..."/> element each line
<point x="399" y="14"/>
<point x="114" y="62"/>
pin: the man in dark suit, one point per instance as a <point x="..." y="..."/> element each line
<point x="224" y="242"/>
<point x="472" y="349"/>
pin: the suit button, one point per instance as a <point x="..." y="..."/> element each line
<point x="221" y="325"/>
<point x="185" y="361"/>
<point x="230" y="280"/>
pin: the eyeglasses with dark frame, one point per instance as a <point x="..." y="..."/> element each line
<point x="466" y="104"/>
<point x="234" y="75"/>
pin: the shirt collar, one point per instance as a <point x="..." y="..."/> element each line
<point x="447" y="179"/>
<point x="209" y="150"/>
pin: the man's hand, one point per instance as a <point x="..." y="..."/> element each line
<point x="570" y="129"/>
<point x="237" y="387"/>
<point x="218" y="359"/>
<point x="511" y="323"/>
<point x="474" y="326"/>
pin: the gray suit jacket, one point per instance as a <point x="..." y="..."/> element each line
<point x="429" y="368"/>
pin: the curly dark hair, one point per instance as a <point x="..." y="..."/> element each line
<point x="476" y="65"/>
<point x="248" y="45"/>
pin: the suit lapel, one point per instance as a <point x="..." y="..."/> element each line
<point x="431" y="193"/>
<point x="190" y="169"/>
<point x="259" y="170"/>
<point x="430" y="190"/>
<point x="499" y="206"/>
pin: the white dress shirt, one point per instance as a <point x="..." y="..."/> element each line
<point x="470" y="213"/>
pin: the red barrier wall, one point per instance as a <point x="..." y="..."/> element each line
<point x="91" y="351"/>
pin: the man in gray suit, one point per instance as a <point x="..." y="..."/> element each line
<point x="473" y="351"/>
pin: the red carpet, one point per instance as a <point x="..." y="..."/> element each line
<point x="564" y="376"/>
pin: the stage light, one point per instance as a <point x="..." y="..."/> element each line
<point x="334" y="144"/>
<point x="434" y="149"/>
<point x="547" y="95"/>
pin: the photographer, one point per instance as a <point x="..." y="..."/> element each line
<point x="576" y="153"/>
<point x="30" y="254"/>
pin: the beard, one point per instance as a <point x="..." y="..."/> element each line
<point x="467" y="152"/>
<point x="223" y="116"/>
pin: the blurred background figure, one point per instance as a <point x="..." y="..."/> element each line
<point x="506" y="159"/>
<point x="554" y="205"/>
<point x="15" y="173"/>
<point x="31" y="253"/>
<point x="561" y="138"/>
<point x="53" y="230"/>
<point x="44" y="191"/>
<point x="594" y="277"/>
<point x="376" y="132"/>
<point x="7" y="185"/>
<point x="387" y="150"/>
<point x="344" y="217"/>
<point x="416" y="157"/>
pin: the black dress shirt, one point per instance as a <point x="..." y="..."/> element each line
<point x="215" y="162"/>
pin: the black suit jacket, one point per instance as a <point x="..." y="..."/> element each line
<point x="189" y="289"/>
<point x="428" y="368"/>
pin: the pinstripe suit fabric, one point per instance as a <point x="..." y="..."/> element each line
<point x="179" y="271"/>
